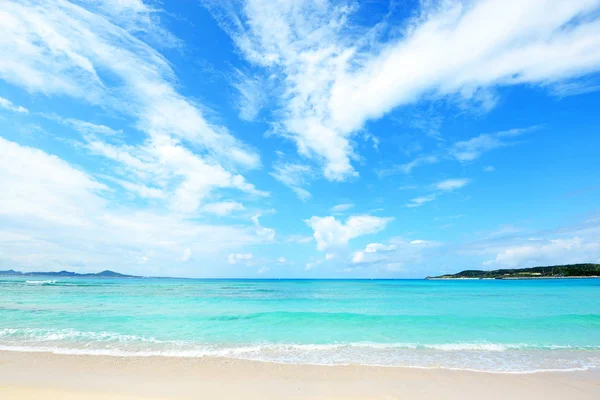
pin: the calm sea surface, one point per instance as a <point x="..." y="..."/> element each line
<point x="499" y="326"/>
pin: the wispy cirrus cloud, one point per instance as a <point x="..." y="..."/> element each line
<point x="251" y="95"/>
<point x="473" y="148"/>
<point x="95" y="55"/>
<point x="8" y="105"/>
<point x="294" y="176"/>
<point x="338" y="75"/>
<point x="463" y="151"/>
<point x="447" y="185"/>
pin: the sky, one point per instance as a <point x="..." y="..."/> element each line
<point x="298" y="138"/>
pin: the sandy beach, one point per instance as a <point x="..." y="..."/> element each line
<point x="51" y="376"/>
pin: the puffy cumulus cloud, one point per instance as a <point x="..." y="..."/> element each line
<point x="239" y="257"/>
<point x="337" y="75"/>
<point x="55" y="216"/>
<point x="93" y="52"/>
<point x="330" y="233"/>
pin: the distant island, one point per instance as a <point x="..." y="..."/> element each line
<point x="103" y="274"/>
<point x="552" y="272"/>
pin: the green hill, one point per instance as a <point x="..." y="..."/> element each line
<point x="556" y="271"/>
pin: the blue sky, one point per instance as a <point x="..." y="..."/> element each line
<point x="298" y="138"/>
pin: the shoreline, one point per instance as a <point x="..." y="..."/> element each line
<point x="111" y="353"/>
<point x="26" y="375"/>
<point x="513" y="278"/>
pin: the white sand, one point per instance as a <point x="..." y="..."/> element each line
<point x="49" y="376"/>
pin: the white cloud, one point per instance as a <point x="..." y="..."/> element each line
<point x="8" y="105"/>
<point x="548" y="252"/>
<point x="421" y="200"/>
<point x="85" y="127"/>
<point x="331" y="233"/>
<point x="142" y="190"/>
<point x="489" y="168"/>
<point x="187" y="255"/>
<point x="299" y="239"/>
<point x="375" y="247"/>
<point x="251" y="95"/>
<point x="281" y="260"/>
<point x="338" y="208"/>
<point x="358" y="257"/>
<point x="473" y="148"/>
<point x="223" y="208"/>
<point x="239" y="257"/>
<point x="337" y="76"/>
<point x="294" y="176"/>
<point x="395" y="254"/>
<point x="266" y="233"/>
<point x="366" y="255"/>
<point x="409" y="166"/>
<point x="312" y="264"/>
<point x="59" y="48"/>
<point x="39" y="185"/>
<point x="452" y="184"/>
<point x="447" y="185"/>
<point x="464" y="151"/>
<point x="137" y="17"/>
<point x="54" y="216"/>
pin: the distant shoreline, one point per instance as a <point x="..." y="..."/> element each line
<point x="528" y="278"/>
<point x="567" y="271"/>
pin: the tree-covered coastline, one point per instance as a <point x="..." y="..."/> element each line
<point x="556" y="271"/>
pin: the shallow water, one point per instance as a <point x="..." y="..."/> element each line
<point x="497" y="326"/>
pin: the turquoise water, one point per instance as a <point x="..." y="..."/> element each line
<point x="498" y="326"/>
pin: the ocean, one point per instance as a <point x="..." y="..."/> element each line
<point x="483" y="325"/>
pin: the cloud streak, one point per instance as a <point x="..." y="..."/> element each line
<point x="337" y="76"/>
<point x="56" y="47"/>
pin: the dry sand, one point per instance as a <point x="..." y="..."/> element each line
<point x="50" y="376"/>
